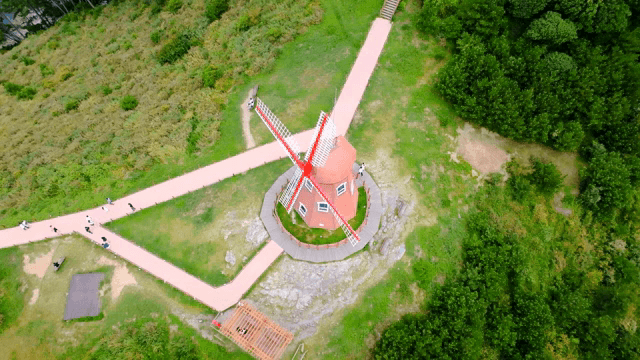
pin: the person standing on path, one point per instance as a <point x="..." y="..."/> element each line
<point x="55" y="230"/>
<point x="104" y="239"/>
<point x="24" y="225"/>
<point x="89" y="220"/>
<point x="109" y="201"/>
<point x="132" y="208"/>
<point x="360" y="171"/>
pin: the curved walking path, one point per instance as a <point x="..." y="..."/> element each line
<point x="225" y="296"/>
<point x="321" y="253"/>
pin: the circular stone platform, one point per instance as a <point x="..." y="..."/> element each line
<point x="321" y="253"/>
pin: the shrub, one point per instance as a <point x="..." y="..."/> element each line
<point x="545" y="177"/>
<point x="215" y="8"/>
<point x="243" y="23"/>
<point x="135" y="15"/>
<point x="210" y="74"/>
<point x="71" y="105"/>
<point x="128" y="102"/>
<point x="27" y="61"/>
<point x="106" y="90"/>
<point x="53" y="44"/>
<point x="156" y="35"/>
<point x="127" y="45"/>
<point x="274" y="33"/>
<point x="27" y="93"/>
<point x="12" y="89"/>
<point x="157" y="7"/>
<point x="174" y="5"/>
<point x="45" y="70"/>
<point x="175" y="49"/>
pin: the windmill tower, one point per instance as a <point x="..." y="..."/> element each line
<point x="322" y="189"/>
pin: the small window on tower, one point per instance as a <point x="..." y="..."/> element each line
<point x="341" y="189"/>
<point x="308" y="185"/>
<point x="323" y="207"/>
<point x="302" y="209"/>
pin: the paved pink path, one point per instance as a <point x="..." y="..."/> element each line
<point x="227" y="295"/>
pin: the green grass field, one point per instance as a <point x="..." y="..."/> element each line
<point x="35" y="329"/>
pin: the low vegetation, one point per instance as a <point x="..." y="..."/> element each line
<point x="11" y="299"/>
<point x="74" y="152"/>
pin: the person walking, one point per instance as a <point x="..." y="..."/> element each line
<point x="89" y="220"/>
<point x="109" y="201"/>
<point x="55" y="230"/>
<point x="24" y="225"/>
<point x="88" y="229"/>
<point x="132" y="208"/>
<point x="360" y="171"/>
<point x="104" y="239"/>
<point x="106" y="209"/>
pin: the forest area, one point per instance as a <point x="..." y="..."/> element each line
<point x="535" y="284"/>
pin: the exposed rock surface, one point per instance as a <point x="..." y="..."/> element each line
<point x="298" y="295"/>
<point x="230" y="258"/>
<point x="256" y="233"/>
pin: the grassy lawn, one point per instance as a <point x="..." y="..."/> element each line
<point x="311" y="71"/>
<point x="195" y="231"/>
<point x="316" y="236"/>
<point x="38" y="331"/>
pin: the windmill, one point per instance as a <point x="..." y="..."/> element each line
<point x="324" y="148"/>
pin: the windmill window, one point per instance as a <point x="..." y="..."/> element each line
<point x="342" y="188"/>
<point x="302" y="209"/>
<point x="323" y="207"/>
<point x="308" y="185"/>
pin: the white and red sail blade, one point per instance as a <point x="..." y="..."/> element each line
<point x="290" y="194"/>
<point x="279" y="131"/>
<point x="324" y="139"/>
<point x="348" y="230"/>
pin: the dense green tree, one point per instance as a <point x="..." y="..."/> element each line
<point x="527" y="8"/>
<point x="552" y="28"/>
<point x="605" y="184"/>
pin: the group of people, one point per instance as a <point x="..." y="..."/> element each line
<point x="24" y="225"/>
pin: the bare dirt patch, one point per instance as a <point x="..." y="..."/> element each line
<point x="121" y="276"/>
<point x="246" y="117"/>
<point x="40" y="265"/>
<point x="480" y="153"/>
<point x="487" y="151"/>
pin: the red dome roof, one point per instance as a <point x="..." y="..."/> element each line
<point x="339" y="163"/>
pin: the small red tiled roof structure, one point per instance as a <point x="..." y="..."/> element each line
<point x="256" y="333"/>
<point x="337" y="181"/>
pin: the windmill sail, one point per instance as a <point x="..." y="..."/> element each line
<point x="279" y="131"/>
<point x="323" y="143"/>
<point x="290" y="194"/>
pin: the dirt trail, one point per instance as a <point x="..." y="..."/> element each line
<point x="246" y="130"/>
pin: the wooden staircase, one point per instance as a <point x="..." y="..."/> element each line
<point x="389" y="8"/>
